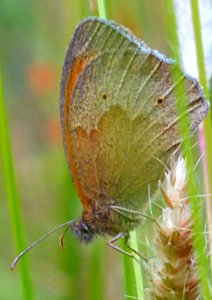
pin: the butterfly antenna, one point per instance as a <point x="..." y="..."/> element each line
<point x="38" y="241"/>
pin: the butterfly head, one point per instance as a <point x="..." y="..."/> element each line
<point x="82" y="231"/>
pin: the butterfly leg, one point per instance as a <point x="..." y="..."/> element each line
<point x="138" y="215"/>
<point x="120" y="212"/>
<point x="127" y="237"/>
<point x="116" y="238"/>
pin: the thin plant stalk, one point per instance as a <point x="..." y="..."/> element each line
<point x="12" y="198"/>
<point x="96" y="284"/>
<point x="196" y="213"/>
<point x="133" y="239"/>
<point x="137" y="267"/>
<point x="101" y="9"/>
<point x="207" y="171"/>
<point x="198" y="45"/>
<point x="129" y="276"/>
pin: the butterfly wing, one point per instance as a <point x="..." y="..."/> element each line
<point x="118" y="113"/>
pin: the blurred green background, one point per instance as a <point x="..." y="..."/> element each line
<point x="34" y="36"/>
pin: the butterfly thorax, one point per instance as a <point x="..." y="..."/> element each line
<point x="101" y="222"/>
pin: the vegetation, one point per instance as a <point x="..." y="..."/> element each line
<point x="36" y="191"/>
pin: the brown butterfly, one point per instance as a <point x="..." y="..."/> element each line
<point x="119" y="124"/>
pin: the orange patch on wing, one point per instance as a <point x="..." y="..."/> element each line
<point x="78" y="65"/>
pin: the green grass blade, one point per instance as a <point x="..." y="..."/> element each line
<point x="101" y="9"/>
<point x="198" y="44"/>
<point x="129" y="277"/>
<point x="96" y="281"/>
<point x="196" y="213"/>
<point x="207" y="122"/>
<point x="12" y="197"/>
<point x="137" y="267"/>
<point x="129" y="280"/>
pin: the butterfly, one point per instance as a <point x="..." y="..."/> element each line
<point x="119" y="121"/>
<point x="119" y="124"/>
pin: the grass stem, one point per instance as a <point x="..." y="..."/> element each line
<point x="137" y="267"/>
<point x="12" y="198"/>
<point x="196" y="212"/>
<point x="207" y="172"/>
<point x="101" y="9"/>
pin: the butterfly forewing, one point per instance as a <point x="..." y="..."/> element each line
<point x="118" y="114"/>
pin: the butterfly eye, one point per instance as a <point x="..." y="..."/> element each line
<point x="85" y="228"/>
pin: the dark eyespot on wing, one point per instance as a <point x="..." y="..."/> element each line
<point x="160" y="100"/>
